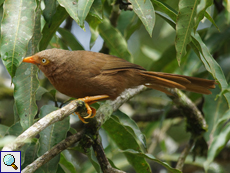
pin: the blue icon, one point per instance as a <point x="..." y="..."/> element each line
<point x="9" y="160"/>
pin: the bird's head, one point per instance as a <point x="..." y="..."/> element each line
<point x="47" y="60"/>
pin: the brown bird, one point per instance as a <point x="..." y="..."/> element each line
<point x="95" y="76"/>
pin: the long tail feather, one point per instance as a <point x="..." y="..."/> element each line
<point x="160" y="81"/>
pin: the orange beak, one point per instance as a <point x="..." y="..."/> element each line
<point x="29" y="60"/>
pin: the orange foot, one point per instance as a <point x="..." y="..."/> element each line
<point x="91" y="111"/>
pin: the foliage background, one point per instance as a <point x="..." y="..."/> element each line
<point x="158" y="35"/>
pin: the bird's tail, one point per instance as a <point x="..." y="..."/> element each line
<point x="161" y="81"/>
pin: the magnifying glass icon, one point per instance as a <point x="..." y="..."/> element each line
<point x="9" y="160"/>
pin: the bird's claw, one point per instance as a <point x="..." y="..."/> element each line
<point x="91" y="111"/>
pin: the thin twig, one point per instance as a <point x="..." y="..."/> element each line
<point x="53" y="152"/>
<point x="184" y="154"/>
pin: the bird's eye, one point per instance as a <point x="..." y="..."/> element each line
<point x="43" y="61"/>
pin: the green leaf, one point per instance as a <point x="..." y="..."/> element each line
<point x="16" y="32"/>
<point x="64" y="162"/>
<point x="3" y="130"/>
<point x="49" y="30"/>
<point x="184" y="26"/>
<point x="94" y="19"/>
<point x="114" y="40"/>
<point x="165" y="60"/>
<point x="26" y="84"/>
<point x="15" y="129"/>
<point x="201" y="11"/>
<point x="96" y="9"/>
<point x="1" y="16"/>
<point x="210" y="64"/>
<point x="125" y="19"/>
<point x="217" y="145"/>
<point x="50" y="9"/>
<point x="134" y="24"/>
<point x="145" y="12"/>
<point x="167" y="19"/>
<point x="57" y="42"/>
<point x="26" y="81"/>
<point x="191" y="64"/>
<point x="40" y="91"/>
<point x="71" y="7"/>
<point x="86" y="167"/>
<point x="33" y="44"/>
<point x="59" y="169"/>
<point x="83" y="10"/>
<point x="31" y="153"/>
<point x="224" y="118"/>
<point x="69" y="39"/>
<point x="1" y="2"/>
<point x="211" y="20"/>
<point x="126" y="121"/>
<point x="125" y="140"/>
<point x="151" y="157"/>
<point x="93" y="26"/>
<point x="214" y="110"/>
<point x="164" y="8"/>
<point x="51" y="136"/>
<point x="203" y="53"/>
<point x="218" y="37"/>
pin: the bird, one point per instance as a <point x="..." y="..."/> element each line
<point x="92" y="76"/>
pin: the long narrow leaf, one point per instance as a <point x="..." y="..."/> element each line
<point x="165" y="9"/>
<point x="83" y="10"/>
<point x="217" y="145"/>
<point x="96" y="9"/>
<point x="50" y="9"/>
<point x="201" y="11"/>
<point x="16" y="31"/>
<point x="184" y="26"/>
<point x="203" y="53"/>
<point x="26" y="82"/>
<point x="51" y="136"/>
<point x="114" y="40"/>
<point x="72" y="8"/>
<point x="70" y="39"/>
<point x="124" y="139"/>
<point x="151" y="157"/>
<point x="145" y="12"/>
<point x="211" y="65"/>
<point x="49" y="30"/>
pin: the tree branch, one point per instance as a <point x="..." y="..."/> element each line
<point x="103" y="113"/>
<point x="49" y="119"/>
<point x="53" y="152"/>
<point x="105" y="110"/>
<point x="196" y="123"/>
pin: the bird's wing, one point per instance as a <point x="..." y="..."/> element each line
<point x="98" y="63"/>
<point x="115" y="64"/>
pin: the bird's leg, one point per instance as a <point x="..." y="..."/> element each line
<point x="88" y="101"/>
